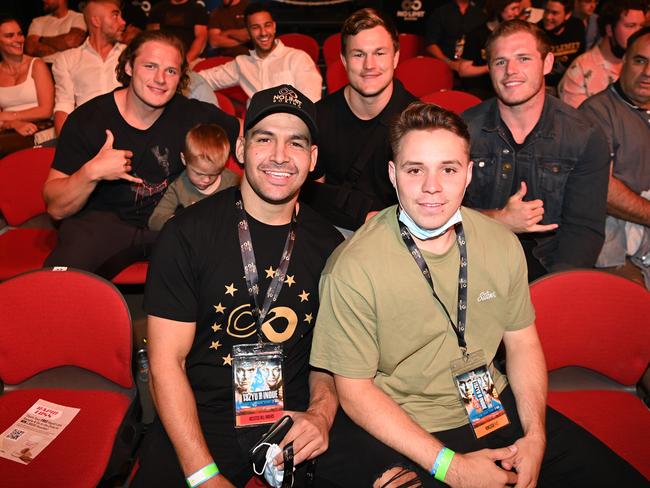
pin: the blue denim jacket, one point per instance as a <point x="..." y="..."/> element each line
<point x="564" y="162"/>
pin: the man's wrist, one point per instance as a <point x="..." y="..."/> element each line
<point x="88" y="172"/>
<point x="442" y="463"/>
<point x="537" y="434"/>
<point x="202" y="475"/>
<point x="320" y="412"/>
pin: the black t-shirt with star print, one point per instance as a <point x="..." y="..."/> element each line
<point x="196" y="275"/>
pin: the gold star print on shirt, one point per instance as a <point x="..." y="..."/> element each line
<point x="234" y="318"/>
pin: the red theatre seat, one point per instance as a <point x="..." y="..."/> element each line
<point x="136" y="274"/>
<point x="22" y="175"/>
<point x="332" y="48"/>
<point x="410" y="46"/>
<point x="225" y="103"/>
<point x="594" y="325"/>
<point x="336" y="77"/>
<point x="455" y="101"/>
<point x="302" y="41"/>
<point x="66" y="338"/>
<point x="422" y="75"/>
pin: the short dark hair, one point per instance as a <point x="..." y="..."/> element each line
<point x="4" y="18"/>
<point x="364" y="19"/>
<point x="493" y="8"/>
<point x="255" y="8"/>
<point x="514" y="26"/>
<point x="568" y="5"/>
<point x="644" y="31"/>
<point x="131" y="51"/>
<point x="426" y="116"/>
<point x="613" y="10"/>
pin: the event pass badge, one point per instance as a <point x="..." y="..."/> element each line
<point x="258" y="385"/>
<point x="478" y="394"/>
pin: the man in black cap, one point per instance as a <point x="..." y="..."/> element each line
<point x="233" y="285"/>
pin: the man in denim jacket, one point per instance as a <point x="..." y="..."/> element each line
<point x="540" y="167"/>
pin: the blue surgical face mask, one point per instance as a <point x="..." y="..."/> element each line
<point x="420" y="232"/>
<point x="424" y="234"/>
<point x="272" y="474"/>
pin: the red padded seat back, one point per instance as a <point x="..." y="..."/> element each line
<point x="410" y="46"/>
<point x="63" y="318"/>
<point x="452" y="100"/>
<point x="332" y="48"/>
<point x="302" y="41"/>
<point x="423" y="74"/>
<point x="336" y="77"/>
<point x="595" y="320"/>
<point x="225" y="103"/>
<point x="22" y="175"/>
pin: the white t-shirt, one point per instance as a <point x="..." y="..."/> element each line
<point x="49" y="26"/>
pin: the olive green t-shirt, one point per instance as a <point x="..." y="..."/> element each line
<point x="378" y="318"/>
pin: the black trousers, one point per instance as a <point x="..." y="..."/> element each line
<point x="100" y="242"/>
<point x="573" y="457"/>
<point x="159" y="466"/>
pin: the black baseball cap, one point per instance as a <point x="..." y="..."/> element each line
<point x="281" y="99"/>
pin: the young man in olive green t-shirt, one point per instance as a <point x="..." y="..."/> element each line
<point x="413" y="363"/>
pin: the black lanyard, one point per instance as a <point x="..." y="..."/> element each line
<point x="250" y="268"/>
<point x="459" y="328"/>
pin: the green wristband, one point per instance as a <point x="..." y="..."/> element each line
<point x="442" y="463"/>
<point x="202" y="475"/>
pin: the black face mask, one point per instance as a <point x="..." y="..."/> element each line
<point x="617" y="49"/>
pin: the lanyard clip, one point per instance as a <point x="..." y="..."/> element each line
<point x="465" y="355"/>
<point x="260" y="337"/>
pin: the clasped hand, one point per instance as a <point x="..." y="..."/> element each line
<point x="309" y="434"/>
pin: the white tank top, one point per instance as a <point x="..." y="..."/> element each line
<point x="22" y="96"/>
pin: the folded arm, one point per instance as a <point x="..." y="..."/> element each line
<point x="42" y="46"/>
<point x="624" y="204"/>
<point x="218" y="38"/>
<point x="435" y="51"/>
<point x="34" y="46"/>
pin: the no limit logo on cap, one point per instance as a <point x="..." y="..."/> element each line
<point x="290" y="97"/>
